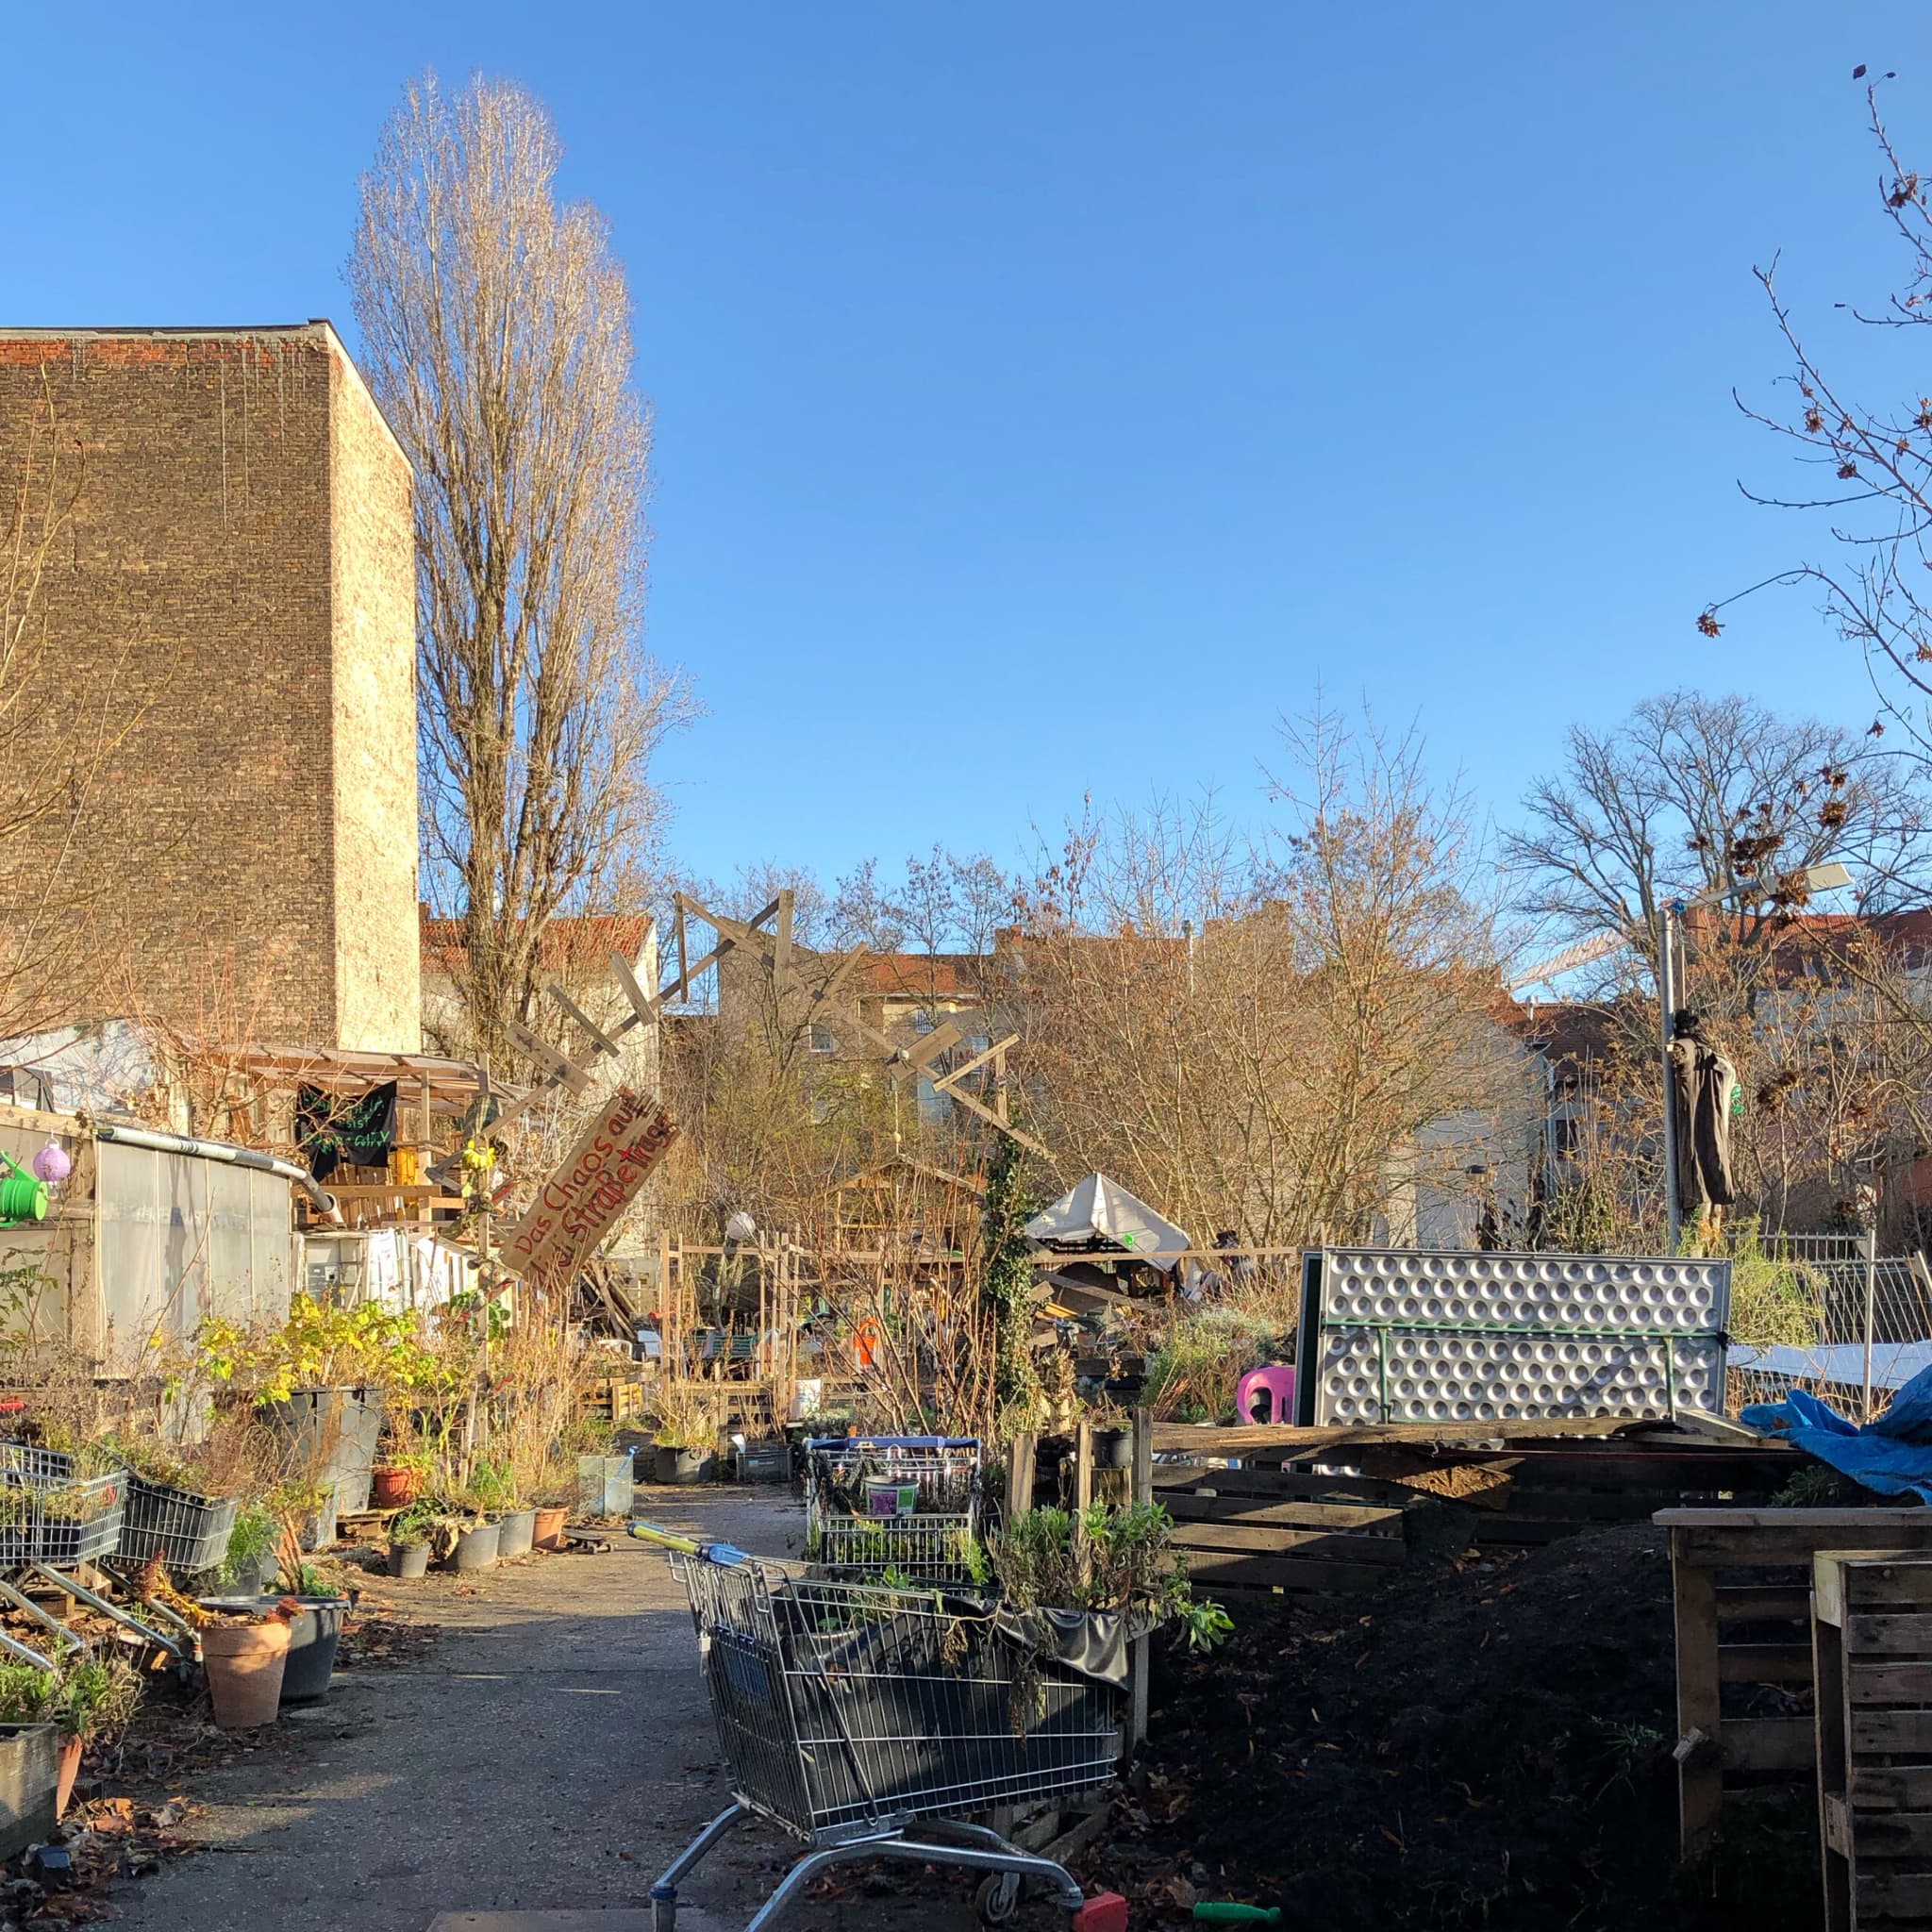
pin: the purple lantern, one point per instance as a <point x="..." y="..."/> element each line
<point x="52" y="1163"/>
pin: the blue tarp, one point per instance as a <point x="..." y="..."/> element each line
<point x="1892" y="1456"/>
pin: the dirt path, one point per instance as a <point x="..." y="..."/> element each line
<point x="554" y="1751"/>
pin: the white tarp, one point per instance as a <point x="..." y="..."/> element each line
<point x="1103" y="1208"/>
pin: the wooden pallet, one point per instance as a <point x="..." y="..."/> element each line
<point x="364" y="1525"/>
<point x="1872" y="1636"/>
<point x="613" y="1398"/>
<point x="1740" y="1581"/>
<point x="1256" y="1529"/>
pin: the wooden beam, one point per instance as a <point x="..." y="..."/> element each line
<point x="564" y="1069"/>
<point x="1283" y="1440"/>
<point x="781" y="949"/>
<point x="978" y="1060"/>
<point x="600" y="1041"/>
<point x="1012" y="1132"/>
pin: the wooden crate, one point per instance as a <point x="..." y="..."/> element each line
<point x="616" y="1399"/>
<point x="1740" y="1620"/>
<point x="1871" y="1637"/>
<point x="1258" y="1529"/>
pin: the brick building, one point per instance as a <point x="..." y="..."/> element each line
<point x="235" y="587"/>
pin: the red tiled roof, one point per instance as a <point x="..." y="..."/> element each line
<point x="565" y="941"/>
<point x="920" y="976"/>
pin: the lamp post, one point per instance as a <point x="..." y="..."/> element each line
<point x="1815" y="878"/>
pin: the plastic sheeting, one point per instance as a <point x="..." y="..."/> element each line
<point x="182" y="1239"/>
<point x="1892" y="1457"/>
<point x="1098" y="1209"/>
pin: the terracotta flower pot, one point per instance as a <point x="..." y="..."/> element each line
<point x="69" y="1770"/>
<point x="395" y="1488"/>
<point x="547" y="1533"/>
<point x="244" y="1664"/>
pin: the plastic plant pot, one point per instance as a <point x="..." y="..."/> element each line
<point x="393" y="1488"/>
<point x="689" y="1465"/>
<point x="476" y="1547"/>
<point x="1113" y="1448"/>
<point x="408" y="1560"/>
<point x="517" y="1532"/>
<point x="548" y="1531"/>
<point x="313" y="1633"/>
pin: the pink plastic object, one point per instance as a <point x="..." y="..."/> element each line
<point x="1277" y="1404"/>
<point x="52" y="1163"/>
<point x="1106" y="1911"/>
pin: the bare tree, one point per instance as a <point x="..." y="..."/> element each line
<point x="1875" y="470"/>
<point x="1693" y="795"/>
<point x="496" y="331"/>
<point x="1263" y="1039"/>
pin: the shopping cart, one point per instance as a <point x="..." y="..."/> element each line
<point x="872" y="1723"/>
<point x="58" y="1512"/>
<point x="906" y="1503"/>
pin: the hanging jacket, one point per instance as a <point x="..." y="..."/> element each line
<point x="1704" y="1085"/>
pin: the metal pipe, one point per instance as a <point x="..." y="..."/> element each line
<point x="1667" y="1004"/>
<point x="1870" y="1304"/>
<point x="323" y="1202"/>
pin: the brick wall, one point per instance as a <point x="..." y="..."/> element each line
<point x="233" y="594"/>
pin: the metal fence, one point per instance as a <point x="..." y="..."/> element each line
<point x="1866" y="1320"/>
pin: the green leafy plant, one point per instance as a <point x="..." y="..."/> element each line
<point x="416" y="1524"/>
<point x="81" y="1697"/>
<point x="321" y="1345"/>
<point x="1105" y="1560"/>
<point x="252" y="1538"/>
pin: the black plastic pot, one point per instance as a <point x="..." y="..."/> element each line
<point x="408" y="1560"/>
<point x="312" y="1639"/>
<point x="686" y="1465"/>
<point x="1113" y="1448"/>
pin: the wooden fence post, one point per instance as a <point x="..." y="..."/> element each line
<point x="1020" y="1460"/>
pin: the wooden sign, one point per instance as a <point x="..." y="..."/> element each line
<point x="580" y="1203"/>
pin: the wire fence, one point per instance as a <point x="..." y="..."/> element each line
<point x="1852" y="1327"/>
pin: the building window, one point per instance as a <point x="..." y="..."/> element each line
<point x="819" y="1039"/>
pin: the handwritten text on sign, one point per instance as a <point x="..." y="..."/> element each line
<point x="580" y="1201"/>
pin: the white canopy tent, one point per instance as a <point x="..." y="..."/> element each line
<point x="1100" y="1210"/>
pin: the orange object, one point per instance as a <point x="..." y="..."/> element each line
<point x="866" y="1343"/>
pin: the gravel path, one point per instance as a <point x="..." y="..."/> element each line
<point x="555" y="1751"/>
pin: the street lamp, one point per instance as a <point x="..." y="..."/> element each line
<point x="1815" y="878"/>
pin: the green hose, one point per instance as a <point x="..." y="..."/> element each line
<point x="1215" y="1912"/>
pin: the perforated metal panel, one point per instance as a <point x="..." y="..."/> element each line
<point x="1391" y="1334"/>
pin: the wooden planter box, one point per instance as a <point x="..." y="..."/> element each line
<point x="1872" y="1635"/>
<point x="1718" y="1560"/>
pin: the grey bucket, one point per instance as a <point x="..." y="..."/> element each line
<point x="518" y="1532"/>
<point x="477" y="1546"/>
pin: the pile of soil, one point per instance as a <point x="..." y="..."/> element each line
<point x="1486" y="1742"/>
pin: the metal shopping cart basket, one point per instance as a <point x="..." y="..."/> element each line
<point x="872" y="1722"/>
<point x="908" y="1504"/>
<point x="58" y="1512"/>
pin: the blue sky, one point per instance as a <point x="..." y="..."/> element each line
<point x="1051" y="397"/>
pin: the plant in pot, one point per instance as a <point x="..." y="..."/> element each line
<point x="318" y="1382"/>
<point x="1104" y="1561"/>
<point x="408" y="1541"/>
<point x="246" y="1656"/>
<point x="686" y="1435"/>
<point x="1112" y="1435"/>
<point x="493" y="1485"/>
<point x="399" y="1479"/>
<point x="84" y="1697"/>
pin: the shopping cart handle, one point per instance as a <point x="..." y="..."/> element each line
<point x="708" y="1549"/>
